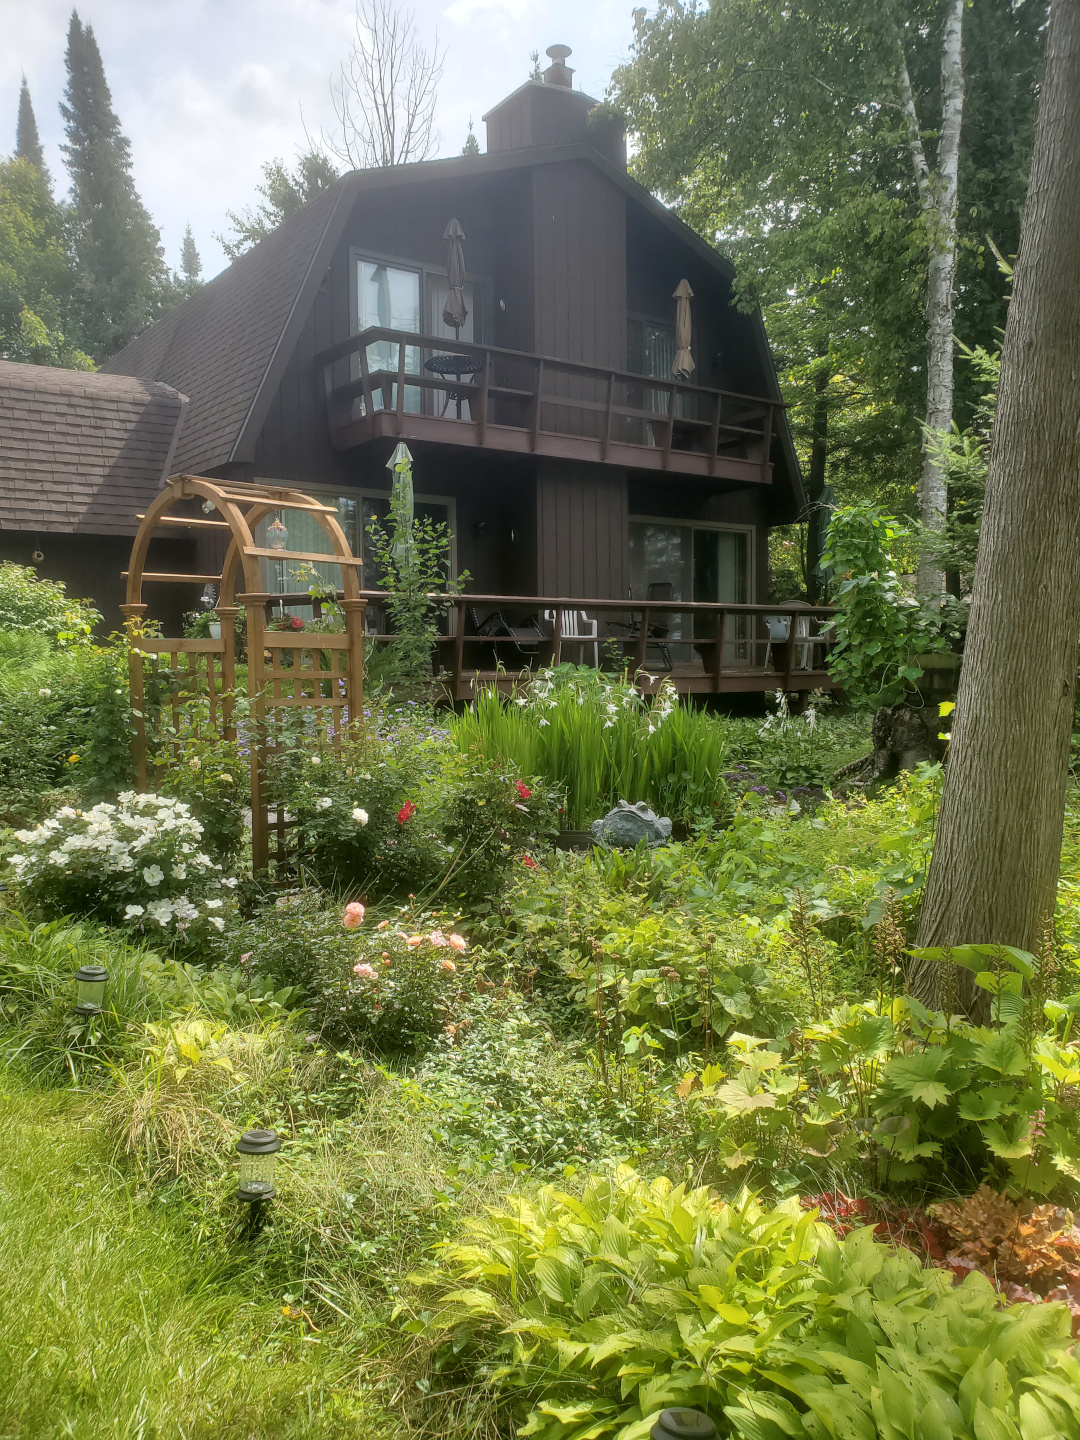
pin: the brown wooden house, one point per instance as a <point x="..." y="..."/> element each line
<point x="548" y="429"/>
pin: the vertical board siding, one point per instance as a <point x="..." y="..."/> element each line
<point x="582" y="531"/>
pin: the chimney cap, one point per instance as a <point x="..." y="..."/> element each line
<point x="558" y="72"/>
<point x="558" y="52"/>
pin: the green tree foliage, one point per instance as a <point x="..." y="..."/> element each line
<point x="189" y="277"/>
<point x="122" y="283"/>
<point x="472" y="145"/>
<point x="778" y="132"/>
<point x="36" y="282"/>
<point x="27" y="139"/>
<point x="284" y="192"/>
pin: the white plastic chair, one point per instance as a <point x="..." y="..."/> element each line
<point x="576" y="626"/>
<point x="778" y="627"/>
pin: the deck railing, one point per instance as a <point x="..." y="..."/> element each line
<point x="377" y="382"/>
<point x="701" y="647"/>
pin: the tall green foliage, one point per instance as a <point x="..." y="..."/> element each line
<point x="598" y="738"/>
<point x="778" y="131"/>
<point x="37" y="323"/>
<point x="120" y="272"/>
<point x="283" y="192"/>
<point x="27" y="139"/>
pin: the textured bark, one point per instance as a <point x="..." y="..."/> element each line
<point x="818" y="510"/>
<point x="938" y="197"/>
<point x="995" y="864"/>
<point x="903" y="736"/>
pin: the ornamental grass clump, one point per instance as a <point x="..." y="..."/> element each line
<point x="585" y="1316"/>
<point x="600" y="739"/>
<point x="136" y="863"/>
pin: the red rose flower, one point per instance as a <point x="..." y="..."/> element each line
<point x="297" y="623"/>
<point x="523" y="790"/>
<point x="407" y="811"/>
<point x="530" y="862"/>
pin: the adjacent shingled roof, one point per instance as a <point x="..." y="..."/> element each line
<point x="82" y="452"/>
<point x="219" y="346"/>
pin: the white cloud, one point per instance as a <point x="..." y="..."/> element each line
<point x="208" y="90"/>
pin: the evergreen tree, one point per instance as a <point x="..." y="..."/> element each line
<point x="27" y="139"/>
<point x="472" y="145"/>
<point x="121" y="276"/>
<point x="284" y="192"/>
<point x="190" y="263"/>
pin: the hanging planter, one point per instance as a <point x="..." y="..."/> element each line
<point x="277" y="535"/>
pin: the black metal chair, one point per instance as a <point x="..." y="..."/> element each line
<point x="660" y="623"/>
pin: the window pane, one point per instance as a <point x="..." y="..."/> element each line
<point x="662" y="554"/>
<point x="390" y="298"/>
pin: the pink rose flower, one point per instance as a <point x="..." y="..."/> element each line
<point x="458" y="942"/>
<point x="354" y="915"/>
<point x="368" y="972"/>
<point x="438" y="939"/>
<point x="413" y="940"/>
<point x="382" y="925"/>
<point x="447" y="965"/>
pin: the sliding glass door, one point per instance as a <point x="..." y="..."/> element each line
<point x="685" y="560"/>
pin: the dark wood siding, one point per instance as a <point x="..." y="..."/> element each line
<point x="582" y="531"/>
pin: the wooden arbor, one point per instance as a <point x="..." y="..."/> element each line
<point x="320" y="670"/>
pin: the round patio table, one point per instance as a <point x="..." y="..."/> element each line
<point x="457" y="365"/>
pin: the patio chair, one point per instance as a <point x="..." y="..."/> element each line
<point x="526" y="637"/>
<point x="577" y="627"/>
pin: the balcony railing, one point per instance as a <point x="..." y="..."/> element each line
<point x="701" y="648"/>
<point x="378" y="382"/>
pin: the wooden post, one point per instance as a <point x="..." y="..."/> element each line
<point x="365" y="381"/>
<point x="643" y="642"/>
<point x="459" y="644"/>
<point x="670" y="424"/>
<point x="721" y="636"/>
<point x="556" y="654"/>
<point x="256" y="627"/>
<point x="607" y="416"/>
<point x="481" y="424"/>
<point x="537" y="401"/>
<point x="400" y="398"/>
<point x="353" y="611"/>
<point x="714" y="433"/>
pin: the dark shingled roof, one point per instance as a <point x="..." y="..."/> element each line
<point x="82" y="452"/>
<point x="219" y="346"/>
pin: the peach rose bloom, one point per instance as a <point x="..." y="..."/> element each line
<point x="447" y="965"/>
<point x="354" y="915"/>
<point x="458" y="942"/>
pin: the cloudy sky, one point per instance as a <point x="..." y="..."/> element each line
<point x="207" y="90"/>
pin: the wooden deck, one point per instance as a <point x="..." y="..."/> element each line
<point x="521" y="403"/>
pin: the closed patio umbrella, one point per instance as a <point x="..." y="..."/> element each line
<point x="455" y="311"/>
<point x="684" y="362"/>
<point x="400" y="466"/>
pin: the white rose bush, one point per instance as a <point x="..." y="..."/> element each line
<point x="137" y="863"/>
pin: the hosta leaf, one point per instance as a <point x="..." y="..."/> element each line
<point x="715" y="1299"/>
<point x="993" y="1424"/>
<point x="478" y="1301"/>
<point x="555" y="1279"/>
<point x="1036" y="1422"/>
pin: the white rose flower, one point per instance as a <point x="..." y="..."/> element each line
<point x="316" y="759"/>
<point x="360" y="816"/>
<point x="44" y="693"/>
<point x="161" y="911"/>
<point x="217" y="922"/>
<point x="213" y="904"/>
<point x="132" y="912"/>
<point x="153" y="874"/>
<point x="230" y="881"/>
<point x="323" y="803"/>
<point x="179" y="872"/>
<point x="185" y="910"/>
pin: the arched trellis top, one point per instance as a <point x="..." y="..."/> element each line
<point x="319" y="670"/>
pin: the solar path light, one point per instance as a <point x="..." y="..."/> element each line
<point x="258" y="1150"/>
<point x="91" y="981"/>
<point x="681" y="1423"/>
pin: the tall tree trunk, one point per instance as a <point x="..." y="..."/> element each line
<point x="938" y="197"/>
<point x="995" y="863"/>
<point x="818" y="514"/>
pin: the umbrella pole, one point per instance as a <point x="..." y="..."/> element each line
<point x="457" y="337"/>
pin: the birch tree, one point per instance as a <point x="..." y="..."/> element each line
<point x="825" y="146"/>
<point x="995" y="863"/>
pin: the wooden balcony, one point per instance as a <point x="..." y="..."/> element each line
<point x="378" y="383"/>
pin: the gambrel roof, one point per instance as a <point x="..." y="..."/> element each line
<point x="228" y="346"/>
<point x="80" y="451"/>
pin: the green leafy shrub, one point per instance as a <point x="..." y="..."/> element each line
<point x="43" y="606"/>
<point x="592" y="1313"/>
<point x="598" y="739"/>
<point x="885" y="1093"/>
<point x="501" y="1094"/>
<point x="786" y="751"/>
<point x="211" y="776"/>
<point x="397" y="811"/>
<point x="880" y="628"/>
<point x="135" y="863"/>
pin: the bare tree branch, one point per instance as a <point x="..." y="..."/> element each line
<point x="384" y="96"/>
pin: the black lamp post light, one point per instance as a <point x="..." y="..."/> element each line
<point x="91" y="981"/>
<point x="682" y="1424"/>
<point x="258" y="1151"/>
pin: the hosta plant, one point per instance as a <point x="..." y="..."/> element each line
<point x="588" y="1315"/>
